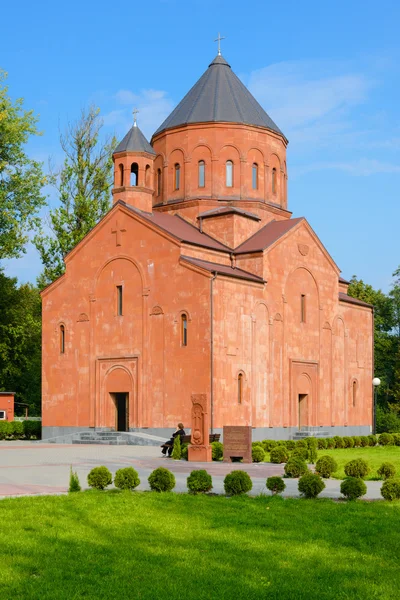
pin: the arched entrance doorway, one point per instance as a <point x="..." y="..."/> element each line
<point x="118" y="398"/>
<point x="304" y="392"/>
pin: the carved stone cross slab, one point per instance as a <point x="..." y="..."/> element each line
<point x="118" y="231"/>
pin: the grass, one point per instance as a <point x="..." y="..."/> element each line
<point x="148" y="546"/>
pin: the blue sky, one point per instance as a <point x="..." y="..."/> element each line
<point x="327" y="73"/>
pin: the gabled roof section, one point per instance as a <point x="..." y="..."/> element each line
<point x="223" y="269"/>
<point x="180" y="229"/>
<point x="227" y="210"/>
<point x="134" y="141"/>
<point x="269" y="234"/>
<point x="219" y="96"/>
<point x="345" y="298"/>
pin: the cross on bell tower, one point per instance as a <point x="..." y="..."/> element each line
<point x="219" y="38"/>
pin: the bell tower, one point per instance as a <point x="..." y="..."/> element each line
<point x="134" y="170"/>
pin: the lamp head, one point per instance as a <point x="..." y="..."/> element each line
<point x="376" y="381"/>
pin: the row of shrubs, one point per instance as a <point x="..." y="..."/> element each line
<point x="355" y="441"/>
<point x="20" y="430"/>
<point x="235" y="483"/>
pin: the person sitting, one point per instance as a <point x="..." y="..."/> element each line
<point x="169" y="445"/>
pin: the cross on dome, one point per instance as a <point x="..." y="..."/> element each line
<point x="219" y="38"/>
<point x="135" y="112"/>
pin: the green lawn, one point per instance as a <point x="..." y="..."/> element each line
<point x="374" y="456"/>
<point x="105" y="545"/>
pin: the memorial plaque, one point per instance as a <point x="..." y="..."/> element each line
<point x="237" y="443"/>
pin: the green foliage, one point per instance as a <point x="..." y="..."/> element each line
<point x="74" y="485"/>
<point x="290" y="444"/>
<point x="184" y="451"/>
<point x="278" y="455"/>
<point x="326" y="465"/>
<point x="99" y="478"/>
<point x="257" y="454"/>
<point x="237" y="482"/>
<point x="338" y="441"/>
<point x="396" y="438"/>
<point x="386" y="470"/>
<point x="5" y="429"/>
<point x="17" y="429"/>
<point x="387" y="419"/>
<point x="301" y="452"/>
<point x="357" y="468"/>
<point x="161" y="480"/>
<point x="126" y="479"/>
<point x="372" y="440"/>
<point x="276" y="485"/>
<point x="310" y="485"/>
<point x="21" y="179"/>
<point x="322" y="443"/>
<point x="386" y="439"/>
<point x="83" y="186"/>
<point x="257" y="443"/>
<point x="357" y="441"/>
<point x="177" y="451"/>
<point x="348" y="442"/>
<point x="353" y="488"/>
<point x="330" y="443"/>
<point x="199" y="481"/>
<point x="32" y="429"/>
<point x="312" y="450"/>
<point x="20" y="342"/>
<point x="390" y="489"/>
<point x="217" y="450"/>
<point x="364" y="441"/>
<point x="268" y="445"/>
<point x="301" y="444"/>
<point x="295" y="467"/>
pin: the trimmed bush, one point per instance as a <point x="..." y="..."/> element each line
<point x="74" y="485"/>
<point x="268" y="445"/>
<point x="126" y="479"/>
<point x="176" y="450"/>
<point x="5" y="429"/>
<point x="348" y="442"/>
<point x="278" y="455"/>
<point x="99" y="478"/>
<point x="161" y="480"/>
<point x="32" y="429"/>
<point x="295" y="467"/>
<point x="372" y="440"/>
<point x="257" y="454"/>
<point x="312" y="450"/>
<point x="338" y="441"/>
<point x="185" y="450"/>
<point x="396" y="438"/>
<point x="390" y="489"/>
<point x="330" y="443"/>
<point x="386" y="439"/>
<point x="301" y="444"/>
<point x="199" y="482"/>
<point x="364" y="441"/>
<point x="322" y="443"/>
<point x="237" y="482"/>
<point x="357" y="441"/>
<point x="276" y="485"/>
<point x="326" y="465"/>
<point x="281" y="443"/>
<point x="353" y="488"/>
<point x="357" y="468"/>
<point x="386" y="470"/>
<point x="217" y="450"/>
<point x="301" y="452"/>
<point x="257" y="443"/>
<point x="310" y="485"/>
<point x="17" y="429"/>
<point x="290" y="444"/>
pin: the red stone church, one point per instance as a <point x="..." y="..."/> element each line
<point x="198" y="280"/>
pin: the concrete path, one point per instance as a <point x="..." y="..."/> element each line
<point x="28" y="468"/>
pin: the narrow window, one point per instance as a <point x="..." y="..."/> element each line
<point x="134" y="174"/>
<point x="159" y="182"/>
<point x="229" y="173"/>
<point x="202" y="173"/>
<point x="274" y="180"/>
<point x="119" y="300"/>
<point x="121" y="175"/>
<point x="184" y="332"/>
<point x="303" y="309"/>
<point x="354" y="392"/>
<point x="177" y="176"/>
<point x="240" y="388"/>
<point x="62" y="339"/>
<point x="254" y="176"/>
<point x="147" y="176"/>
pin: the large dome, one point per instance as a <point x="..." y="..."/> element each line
<point x="219" y="96"/>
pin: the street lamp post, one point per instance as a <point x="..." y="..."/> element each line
<point x="376" y="382"/>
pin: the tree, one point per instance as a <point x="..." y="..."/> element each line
<point x="20" y="342"/>
<point x="21" y="178"/>
<point x="83" y="187"/>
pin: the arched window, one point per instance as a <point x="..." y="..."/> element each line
<point x="62" y="339"/>
<point x="354" y="387"/>
<point x="159" y="182"/>
<point x="121" y="175"/>
<point x="134" y="174"/>
<point x="229" y="173"/>
<point x="184" y="332"/>
<point x="254" y="176"/>
<point x="202" y="173"/>
<point x="240" y="388"/>
<point x="147" y="176"/>
<point x="274" y="180"/>
<point x="177" y="176"/>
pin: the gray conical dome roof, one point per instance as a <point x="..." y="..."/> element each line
<point x="134" y="141"/>
<point x="219" y="96"/>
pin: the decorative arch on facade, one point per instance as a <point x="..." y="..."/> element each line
<point x="201" y="152"/>
<point x="176" y="173"/>
<point x="178" y="315"/>
<point x="121" y="257"/>
<point x="61" y="332"/>
<point x="293" y="271"/>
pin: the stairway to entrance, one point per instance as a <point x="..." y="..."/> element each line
<point x="117" y="438"/>
<point x="306" y="432"/>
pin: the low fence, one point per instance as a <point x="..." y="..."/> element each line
<point x="27" y="418"/>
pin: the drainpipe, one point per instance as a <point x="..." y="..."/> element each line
<point x="212" y="353"/>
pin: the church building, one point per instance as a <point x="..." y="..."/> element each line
<point x="199" y="281"/>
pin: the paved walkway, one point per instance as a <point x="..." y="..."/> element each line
<point x="28" y="468"/>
